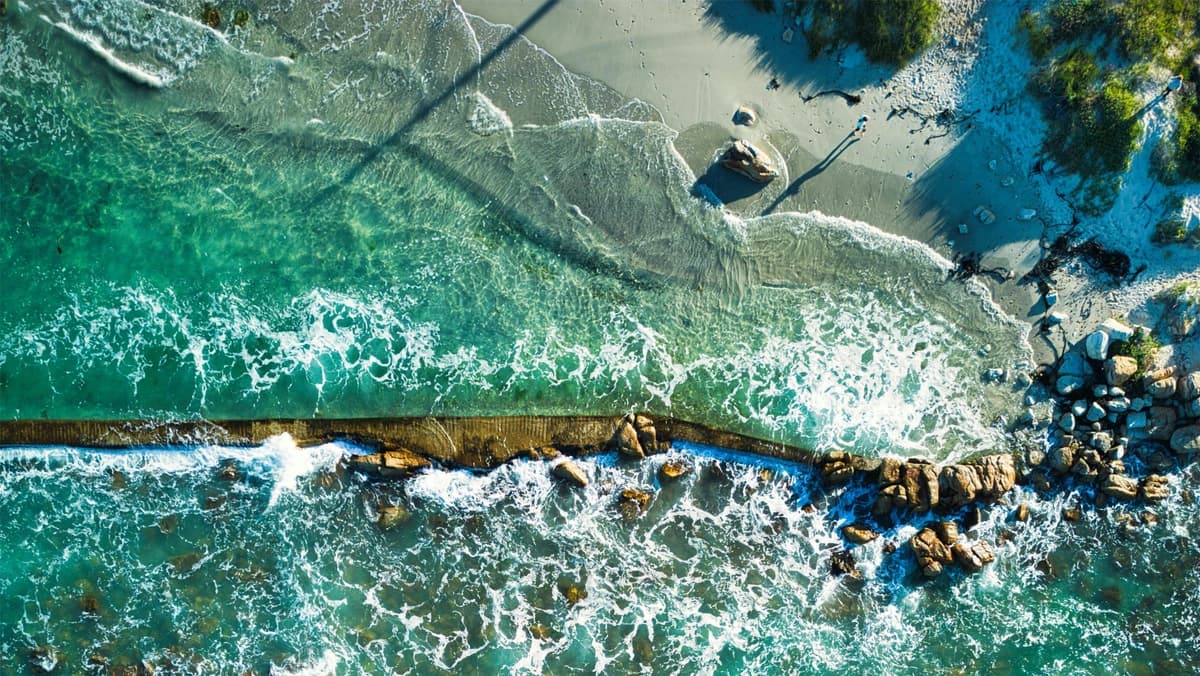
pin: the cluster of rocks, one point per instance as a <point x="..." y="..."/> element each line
<point x="940" y="546"/>
<point x="1109" y="409"/>
<point x="923" y="487"/>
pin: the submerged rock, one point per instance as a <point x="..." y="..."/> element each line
<point x="751" y="162"/>
<point x="390" y="516"/>
<point x="634" y="502"/>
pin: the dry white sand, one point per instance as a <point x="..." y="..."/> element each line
<point x="913" y="174"/>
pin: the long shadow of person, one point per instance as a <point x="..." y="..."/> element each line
<point x="794" y="186"/>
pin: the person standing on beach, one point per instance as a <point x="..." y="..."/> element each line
<point x="860" y="129"/>
<point x="1173" y="84"/>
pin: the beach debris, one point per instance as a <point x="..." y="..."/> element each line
<point x="773" y="84"/>
<point x="858" y="533"/>
<point x="984" y="215"/>
<point x="1026" y="214"/>
<point x="743" y="158"/>
<point x="745" y="116"/>
<point x="569" y="472"/>
<point x="1007" y="181"/>
<point x="851" y="99"/>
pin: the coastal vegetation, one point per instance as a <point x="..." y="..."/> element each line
<point x="891" y="32"/>
<point x="1092" y="56"/>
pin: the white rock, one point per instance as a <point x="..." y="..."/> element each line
<point x="1022" y="380"/>
<point x="1192" y="409"/>
<point x="1027" y="214"/>
<point x="1112" y="417"/>
<point x="1079" y="408"/>
<point x="1097" y="345"/>
<point x="1096" y="412"/>
<point x="1074" y="364"/>
<point x="1118" y="405"/>
<point x="1099" y="391"/>
<point x="1116" y="329"/>
<point x="1115" y="391"/>
<point x="1054" y="319"/>
<point x="1067" y="422"/>
<point x="1137" y="421"/>
<point x="1051" y="298"/>
<point x="1068" y="384"/>
<point x="1137" y="404"/>
<point x="994" y="375"/>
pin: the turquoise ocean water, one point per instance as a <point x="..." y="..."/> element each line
<point x="396" y="208"/>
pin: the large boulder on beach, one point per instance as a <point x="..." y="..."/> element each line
<point x="932" y="554"/>
<point x="986" y="478"/>
<point x="625" y="439"/>
<point x="997" y="475"/>
<point x="1186" y="440"/>
<point x="836" y="468"/>
<point x="749" y="161"/>
<point x="1119" y="369"/>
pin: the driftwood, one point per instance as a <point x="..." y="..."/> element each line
<point x="852" y="99"/>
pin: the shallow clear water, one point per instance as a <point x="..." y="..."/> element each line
<point x="398" y="209"/>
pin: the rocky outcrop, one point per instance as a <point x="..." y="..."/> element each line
<point x="1120" y="487"/>
<point x="673" y="469"/>
<point x="1154" y="488"/>
<point x="932" y="554"/>
<point x="749" y="161"/>
<point x="633" y="503"/>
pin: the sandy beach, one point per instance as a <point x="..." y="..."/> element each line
<point x="951" y="132"/>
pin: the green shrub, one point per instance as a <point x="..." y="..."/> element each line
<point x="1157" y="30"/>
<point x="895" y="31"/>
<point x="1037" y="35"/>
<point x="1171" y="230"/>
<point x="1142" y="346"/>
<point x="888" y="31"/>
<point x="1187" y="138"/>
<point x="1072" y="20"/>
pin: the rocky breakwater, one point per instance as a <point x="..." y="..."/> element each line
<point x="917" y="487"/>
<point x="1120" y="418"/>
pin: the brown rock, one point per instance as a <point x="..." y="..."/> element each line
<point x="568" y="471"/>
<point x="890" y="497"/>
<point x="634" y="502"/>
<point x="673" y="469"/>
<point x="647" y="435"/>
<point x="749" y="161"/>
<point x="1154" y="375"/>
<point x="930" y="493"/>
<point x="947" y="532"/>
<point x="842" y="562"/>
<point x="1072" y="513"/>
<point x="228" y="471"/>
<point x="889" y="471"/>
<point x="959" y="485"/>
<point x="389" y="463"/>
<point x="1120" y="487"/>
<point x="543" y="453"/>
<point x="626" y="439"/>
<point x="1023" y="511"/>
<point x="997" y="475"/>
<point x="1118" y="370"/>
<point x="836" y="469"/>
<point x="858" y="533"/>
<point x="1062" y="458"/>
<point x="930" y="551"/>
<point x="973" y="557"/>
<point x="1154" y="488"/>
<point x="539" y="631"/>
<point x="911" y="480"/>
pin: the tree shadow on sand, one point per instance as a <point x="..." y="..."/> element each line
<point x="788" y="62"/>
